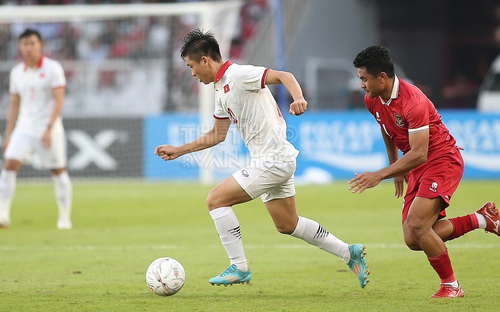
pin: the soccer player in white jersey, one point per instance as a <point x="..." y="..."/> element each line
<point x="243" y="98"/>
<point x="34" y="126"/>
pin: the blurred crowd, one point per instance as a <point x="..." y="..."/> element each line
<point x="100" y="55"/>
<point x="124" y="38"/>
<point x="69" y="2"/>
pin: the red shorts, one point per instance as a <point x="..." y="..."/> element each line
<point x="437" y="177"/>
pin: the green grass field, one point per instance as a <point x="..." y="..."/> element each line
<point x="119" y="228"/>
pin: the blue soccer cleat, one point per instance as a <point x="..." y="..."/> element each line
<point x="231" y="276"/>
<point x="358" y="265"/>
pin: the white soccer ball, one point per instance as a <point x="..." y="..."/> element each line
<point x="165" y="276"/>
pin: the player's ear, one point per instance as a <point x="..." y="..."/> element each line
<point x="382" y="77"/>
<point x="204" y="60"/>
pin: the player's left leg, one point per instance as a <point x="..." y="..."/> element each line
<point x="418" y="231"/>
<point x="64" y="197"/>
<point x="285" y="218"/>
<point x="54" y="159"/>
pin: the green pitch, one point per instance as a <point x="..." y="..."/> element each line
<point x="119" y="228"/>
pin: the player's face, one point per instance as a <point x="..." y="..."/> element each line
<point x="372" y="85"/>
<point x="200" y="70"/>
<point x="31" y="49"/>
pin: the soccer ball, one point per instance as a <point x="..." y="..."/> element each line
<point x="165" y="276"/>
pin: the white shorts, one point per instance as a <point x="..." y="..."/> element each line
<point x="270" y="180"/>
<point x="28" y="148"/>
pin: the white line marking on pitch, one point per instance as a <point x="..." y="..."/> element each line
<point x="249" y="246"/>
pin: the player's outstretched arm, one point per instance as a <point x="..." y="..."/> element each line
<point x="299" y="104"/>
<point x="213" y="137"/>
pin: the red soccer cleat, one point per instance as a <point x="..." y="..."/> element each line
<point x="448" y="291"/>
<point x="490" y="213"/>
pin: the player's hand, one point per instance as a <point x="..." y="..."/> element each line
<point x="298" y="107"/>
<point x="5" y="143"/>
<point x="47" y="139"/>
<point x="167" y="152"/>
<point x="364" y="181"/>
<point x="399" y="185"/>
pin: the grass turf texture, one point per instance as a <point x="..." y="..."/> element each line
<point x="119" y="228"/>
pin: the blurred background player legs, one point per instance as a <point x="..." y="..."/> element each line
<point x="7" y="189"/>
<point x="63" y="191"/>
<point x="64" y="196"/>
<point x="21" y="146"/>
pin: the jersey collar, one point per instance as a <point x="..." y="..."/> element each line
<point x="222" y="70"/>
<point x="39" y="64"/>
<point x="394" y="94"/>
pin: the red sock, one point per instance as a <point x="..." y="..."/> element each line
<point x="442" y="266"/>
<point x="462" y="225"/>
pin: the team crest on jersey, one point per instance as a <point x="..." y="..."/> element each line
<point x="399" y="120"/>
<point x="226" y="88"/>
<point x="434" y="187"/>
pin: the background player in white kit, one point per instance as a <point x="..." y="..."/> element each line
<point x="242" y="97"/>
<point x="34" y="126"/>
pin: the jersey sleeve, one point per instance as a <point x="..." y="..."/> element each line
<point x="417" y="114"/>
<point x="58" y="79"/>
<point x="252" y="77"/>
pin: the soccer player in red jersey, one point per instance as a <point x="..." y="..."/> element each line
<point x="431" y="164"/>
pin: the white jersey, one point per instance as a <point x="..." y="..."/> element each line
<point x="242" y="96"/>
<point x="34" y="87"/>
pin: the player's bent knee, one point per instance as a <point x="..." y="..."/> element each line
<point x="285" y="228"/>
<point x="415" y="229"/>
<point x="410" y="241"/>
<point x="210" y="203"/>
<point x="213" y="201"/>
<point x="413" y="245"/>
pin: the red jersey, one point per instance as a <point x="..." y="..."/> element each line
<point x="409" y="110"/>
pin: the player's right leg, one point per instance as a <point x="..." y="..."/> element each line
<point x="8" y="178"/>
<point x="20" y="147"/>
<point x="219" y="202"/>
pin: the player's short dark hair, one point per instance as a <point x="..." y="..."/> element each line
<point x="30" y="32"/>
<point x="198" y="44"/>
<point x="375" y="59"/>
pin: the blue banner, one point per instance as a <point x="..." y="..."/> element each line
<point x="332" y="145"/>
<point x="479" y="135"/>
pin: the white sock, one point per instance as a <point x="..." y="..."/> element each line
<point x="313" y="233"/>
<point x="481" y="220"/>
<point x="228" y="227"/>
<point x="453" y="284"/>
<point x="7" y="190"/>
<point x="64" y="195"/>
